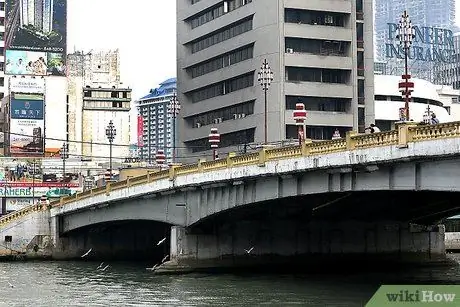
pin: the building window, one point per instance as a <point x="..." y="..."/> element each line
<point x="222" y="35"/>
<point x="315" y="17"/>
<point x="222" y="88"/>
<point x="86" y="93"/>
<point x="360" y="35"/>
<point x="217" y="116"/>
<point x="317" y="46"/>
<point x="226" y="140"/>
<point x="317" y="75"/>
<point x="325" y="104"/>
<point x="2" y="81"/>
<point x="216" y="12"/>
<point x="360" y="91"/>
<point x="361" y="119"/>
<point x="220" y="62"/>
<point x="316" y="132"/>
<point x="2" y="6"/>
<point x="359" y="10"/>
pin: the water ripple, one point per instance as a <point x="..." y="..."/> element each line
<point x="80" y="284"/>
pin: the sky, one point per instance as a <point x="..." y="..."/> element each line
<point x="144" y="31"/>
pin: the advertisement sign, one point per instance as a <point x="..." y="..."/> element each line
<point x="430" y="44"/>
<point x="29" y="172"/>
<point x="35" y="37"/>
<point x="31" y="192"/>
<point x="27" y="85"/>
<point x="15" y="204"/>
<point x="140" y="131"/>
<point x="27" y="124"/>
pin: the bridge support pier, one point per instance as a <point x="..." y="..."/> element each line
<point x="322" y="245"/>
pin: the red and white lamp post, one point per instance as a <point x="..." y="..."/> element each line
<point x="300" y="117"/>
<point x="160" y="157"/>
<point x="406" y="35"/>
<point x="214" y="141"/>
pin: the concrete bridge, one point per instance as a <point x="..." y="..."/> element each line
<point x="375" y="196"/>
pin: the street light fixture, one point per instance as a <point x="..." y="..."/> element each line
<point x="300" y="117"/>
<point x="265" y="78"/>
<point x="174" y="109"/>
<point x="214" y="140"/>
<point x="110" y="132"/>
<point x="406" y="35"/>
<point x="64" y="156"/>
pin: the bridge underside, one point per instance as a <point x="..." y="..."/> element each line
<point x="119" y="240"/>
<point x="420" y="207"/>
<point x="315" y="231"/>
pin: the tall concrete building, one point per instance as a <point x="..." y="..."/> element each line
<point x="157" y="130"/>
<point x="96" y="97"/>
<point x="423" y="13"/>
<point x="320" y="52"/>
<point x="3" y="87"/>
<point x="38" y="13"/>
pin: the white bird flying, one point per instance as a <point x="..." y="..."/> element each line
<point x="87" y="253"/>
<point x="161" y="241"/>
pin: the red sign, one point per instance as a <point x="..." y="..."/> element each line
<point x="18" y="184"/>
<point x="140" y="131"/>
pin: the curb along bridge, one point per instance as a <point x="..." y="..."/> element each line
<point x="334" y="179"/>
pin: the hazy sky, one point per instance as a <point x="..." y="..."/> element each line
<point x="143" y="30"/>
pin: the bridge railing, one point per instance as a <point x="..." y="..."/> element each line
<point x="11" y="217"/>
<point x="407" y="132"/>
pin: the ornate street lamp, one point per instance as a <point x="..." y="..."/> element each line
<point x="110" y="132"/>
<point x="406" y="35"/>
<point x="265" y="78"/>
<point x="214" y="140"/>
<point x="174" y="109"/>
<point x="300" y="117"/>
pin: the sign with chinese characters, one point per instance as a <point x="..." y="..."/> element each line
<point x="430" y="44"/>
<point x="27" y="85"/>
<point x="27" y="125"/>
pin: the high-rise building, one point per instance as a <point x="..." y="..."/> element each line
<point x="320" y="53"/>
<point x="38" y="13"/>
<point x="157" y="130"/>
<point x="96" y="97"/>
<point x="423" y="13"/>
<point x="3" y="86"/>
<point x="449" y="73"/>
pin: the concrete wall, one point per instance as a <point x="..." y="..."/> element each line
<point x="452" y="240"/>
<point x="33" y="229"/>
<point x="283" y="241"/>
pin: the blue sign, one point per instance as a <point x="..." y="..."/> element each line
<point x="27" y="109"/>
<point x="429" y="45"/>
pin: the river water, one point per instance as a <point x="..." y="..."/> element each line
<point x="130" y="284"/>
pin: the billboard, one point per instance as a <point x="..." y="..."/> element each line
<point x="27" y="124"/>
<point x="431" y="44"/>
<point x="140" y="131"/>
<point x="31" y="85"/>
<point x="21" y="173"/>
<point x="35" y="37"/>
<point x="32" y="191"/>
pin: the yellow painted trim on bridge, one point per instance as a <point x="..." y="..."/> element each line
<point x="406" y="132"/>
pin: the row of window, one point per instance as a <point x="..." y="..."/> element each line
<point x="106" y="104"/>
<point x="223" y="88"/>
<point x="327" y="104"/>
<point x="222" y="61"/>
<point x="217" y="116"/>
<point x="315" y="17"/>
<point x="222" y="35"/>
<point x="108" y="94"/>
<point x="316" y="132"/>
<point x="215" y="12"/>
<point x="226" y="140"/>
<point x="317" y="75"/>
<point x="317" y="46"/>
